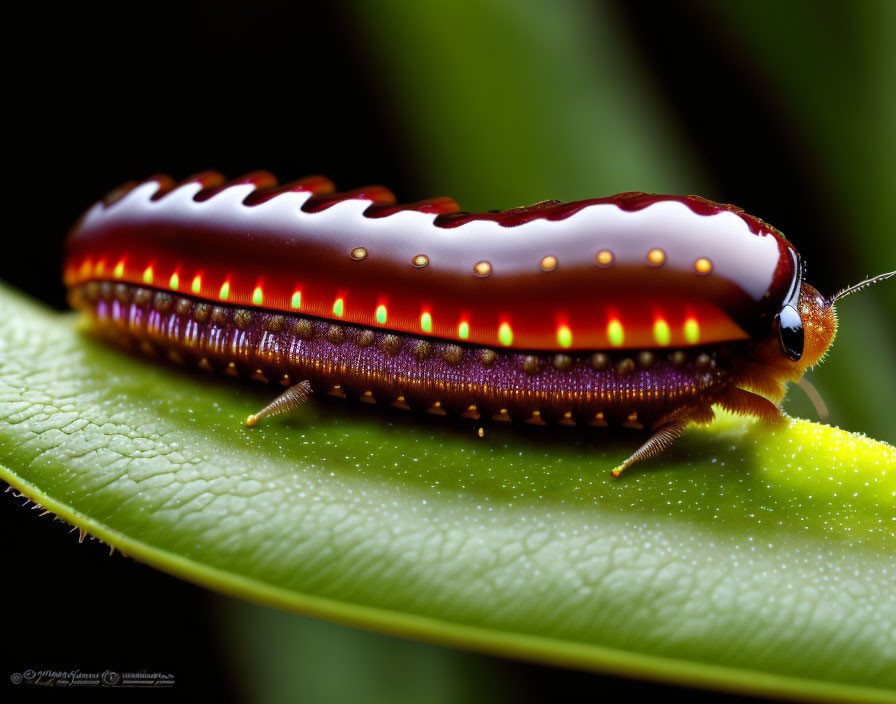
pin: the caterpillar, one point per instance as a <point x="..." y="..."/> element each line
<point x="635" y="310"/>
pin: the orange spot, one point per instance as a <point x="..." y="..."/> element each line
<point x="703" y="266"/>
<point x="604" y="257"/>
<point x="482" y="268"/>
<point x="656" y="257"/>
<point x="86" y="266"/>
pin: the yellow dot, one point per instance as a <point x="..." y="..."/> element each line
<point x="257" y="296"/>
<point x="359" y="253"/>
<point x="174" y="282"/>
<point x="381" y="314"/>
<point x="604" y="257"/>
<point x="296" y="301"/>
<point x="656" y="257"/>
<point x="549" y="263"/>
<point x="100" y="267"/>
<point x="482" y="268"/>
<point x="661" y="332"/>
<point x="85" y="268"/>
<point x="505" y="334"/>
<point x="426" y="321"/>
<point x="703" y="266"/>
<point x="338" y="307"/>
<point x="119" y="270"/>
<point x="615" y="333"/>
<point x="692" y="331"/>
<point x="463" y="330"/>
<point x="224" y="293"/>
<point x="420" y="260"/>
<point x="564" y="336"/>
<point x="196" y="286"/>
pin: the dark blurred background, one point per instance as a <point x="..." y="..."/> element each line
<point x="786" y="109"/>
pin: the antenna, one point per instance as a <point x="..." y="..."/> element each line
<point x="859" y="286"/>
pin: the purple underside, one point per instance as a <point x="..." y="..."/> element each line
<point x="422" y="371"/>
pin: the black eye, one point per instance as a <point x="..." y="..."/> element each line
<point x="790" y="332"/>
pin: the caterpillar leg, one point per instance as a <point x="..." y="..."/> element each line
<point x="746" y="403"/>
<point x="656" y="444"/>
<point x="292" y="398"/>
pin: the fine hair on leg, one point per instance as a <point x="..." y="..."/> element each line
<point x="292" y="398"/>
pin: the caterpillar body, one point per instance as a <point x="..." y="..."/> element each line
<point x="634" y="310"/>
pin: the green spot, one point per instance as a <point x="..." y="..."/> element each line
<point x="661" y="333"/>
<point x="691" y="331"/>
<point x="296" y="301"/>
<point x="463" y="330"/>
<point x="564" y="337"/>
<point x="381" y="314"/>
<point x="505" y="335"/>
<point x="257" y="296"/>
<point x="426" y="322"/>
<point x="615" y="333"/>
<point x="338" y="307"/>
<point x="225" y="291"/>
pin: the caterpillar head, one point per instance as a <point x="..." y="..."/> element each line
<point x="804" y="336"/>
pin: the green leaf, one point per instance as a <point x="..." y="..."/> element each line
<point x="746" y="559"/>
